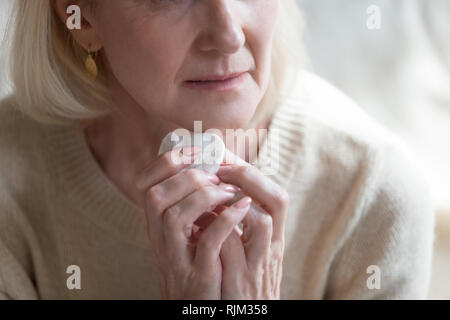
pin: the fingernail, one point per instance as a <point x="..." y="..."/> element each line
<point x="190" y="151"/>
<point x="243" y="203"/>
<point x="229" y="188"/>
<point x="213" y="178"/>
<point x="223" y="170"/>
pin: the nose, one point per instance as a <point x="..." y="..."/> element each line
<point x="222" y="31"/>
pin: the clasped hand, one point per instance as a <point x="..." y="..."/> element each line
<point x="196" y="244"/>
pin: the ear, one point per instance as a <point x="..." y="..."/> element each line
<point x="87" y="36"/>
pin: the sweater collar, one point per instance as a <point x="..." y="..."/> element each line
<point x="93" y="194"/>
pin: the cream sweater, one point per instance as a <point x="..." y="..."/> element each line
<point x="360" y="210"/>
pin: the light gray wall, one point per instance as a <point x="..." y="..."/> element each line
<point x="399" y="74"/>
<point x="4" y="14"/>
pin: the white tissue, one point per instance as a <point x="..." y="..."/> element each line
<point x="213" y="149"/>
<point x="213" y="153"/>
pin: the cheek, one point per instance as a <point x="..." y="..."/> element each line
<point x="267" y="12"/>
<point x="261" y="27"/>
<point x="144" y="61"/>
<point x="265" y="30"/>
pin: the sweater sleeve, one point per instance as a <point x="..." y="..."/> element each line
<point x="15" y="282"/>
<point x="388" y="252"/>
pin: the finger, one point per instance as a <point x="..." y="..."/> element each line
<point x="232" y="256"/>
<point x="212" y="238"/>
<point x="161" y="196"/>
<point x="269" y="195"/>
<point x="219" y="209"/>
<point x="231" y="158"/>
<point x="202" y="200"/>
<point x="257" y="236"/>
<point x="178" y="220"/>
<point x="201" y="224"/>
<point x="204" y="221"/>
<point x="154" y="199"/>
<point x="208" y="217"/>
<point x="172" y="190"/>
<point x="165" y="194"/>
<point x="167" y="164"/>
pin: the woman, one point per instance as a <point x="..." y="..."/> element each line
<point x="89" y="210"/>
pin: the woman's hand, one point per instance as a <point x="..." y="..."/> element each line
<point x="173" y="201"/>
<point x="252" y="262"/>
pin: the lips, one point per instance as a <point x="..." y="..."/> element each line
<point x="217" y="77"/>
<point x="225" y="83"/>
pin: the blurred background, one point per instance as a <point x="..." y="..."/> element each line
<point x="393" y="58"/>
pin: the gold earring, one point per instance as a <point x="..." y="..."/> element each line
<point x="91" y="66"/>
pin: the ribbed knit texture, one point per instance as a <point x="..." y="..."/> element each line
<point x="356" y="199"/>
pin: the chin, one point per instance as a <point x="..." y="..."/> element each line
<point x="211" y="123"/>
<point x="223" y="117"/>
<point x="228" y="122"/>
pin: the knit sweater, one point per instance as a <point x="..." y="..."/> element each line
<point x="359" y="224"/>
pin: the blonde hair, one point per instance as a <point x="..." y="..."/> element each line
<point x="50" y="83"/>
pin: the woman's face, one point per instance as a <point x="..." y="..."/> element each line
<point x="153" y="47"/>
